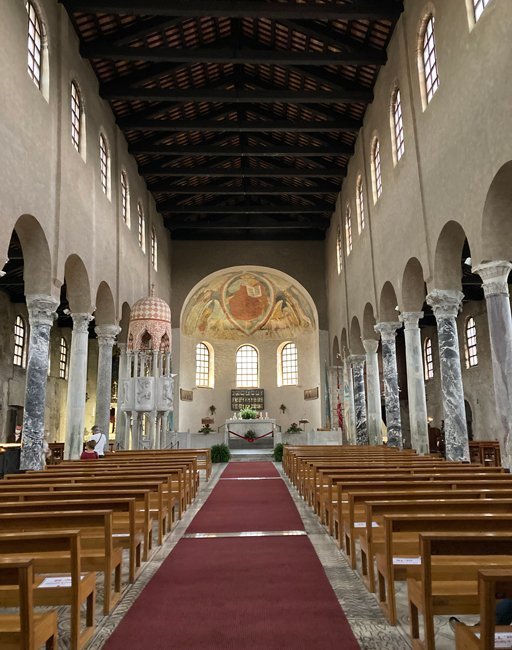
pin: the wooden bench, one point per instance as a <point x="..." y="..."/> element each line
<point x="484" y="636"/>
<point x="26" y="630"/>
<point x="85" y="484"/>
<point x="371" y="533"/>
<point x="447" y="582"/>
<point x="98" y="551"/>
<point x="126" y="532"/>
<point x="57" y="553"/>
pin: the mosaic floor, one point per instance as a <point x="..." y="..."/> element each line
<point x="361" y="607"/>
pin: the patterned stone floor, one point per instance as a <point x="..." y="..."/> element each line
<point x="361" y="607"/>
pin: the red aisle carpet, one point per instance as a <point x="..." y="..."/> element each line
<point x="239" y="593"/>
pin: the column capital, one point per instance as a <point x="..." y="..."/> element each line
<point x="446" y="303"/>
<point x="371" y="345"/>
<point x="357" y="359"/>
<point x="81" y="322"/>
<point x="410" y="319"/>
<point x="494" y="277"/>
<point x="107" y="334"/>
<point x="42" y="309"/>
<point x="387" y="331"/>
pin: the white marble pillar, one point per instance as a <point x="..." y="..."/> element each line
<point x="154" y="442"/>
<point x="387" y="333"/>
<point x="415" y="381"/>
<point x="106" y="338"/>
<point x="120" y="415"/>
<point x="497" y="298"/>
<point x="351" y="411"/>
<point x="128" y="423"/>
<point x="77" y="384"/>
<point x="373" y="392"/>
<point x="446" y="305"/>
<point x="41" y="313"/>
<point x="357" y="362"/>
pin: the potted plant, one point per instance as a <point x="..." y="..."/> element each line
<point x="206" y="429"/>
<point x="250" y="435"/>
<point x="248" y="413"/>
<point x="294" y="428"/>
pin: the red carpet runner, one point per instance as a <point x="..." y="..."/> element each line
<point x="237" y="593"/>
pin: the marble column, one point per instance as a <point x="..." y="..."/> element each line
<point x="77" y="383"/>
<point x="120" y="415"/>
<point x="41" y="313"/>
<point x="415" y="381"/>
<point x="350" y="416"/>
<point x="497" y="298"/>
<point x="106" y="338"/>
<point x="357" y="361"/>
<point x="373" y="392"/>
<point x="446" y="305"/>
<point x="387" y="333"/>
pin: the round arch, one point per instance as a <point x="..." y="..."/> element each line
<point x="78" y="288"/>
<point x="447" y="259"/>
<point x="413" y="286"/>
<point x="37" y="272"/>
<point x="387" y="304"/>
<point x="496" y="232"/>
<point x="105" y="313"/>
<point x="356" y="345"/>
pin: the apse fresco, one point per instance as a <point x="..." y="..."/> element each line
<point x="240" y="304"/>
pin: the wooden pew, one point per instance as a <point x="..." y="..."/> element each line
<point x="447" y="582"/>
<point x="125" y="530"/>
<point x="400" y="549"/>
<point x="104" y="484"/>
<point x="204" y="456"/>
<point x="56" y="552"/>
<point x="371" y="534"/>
<point x="485" y="635"/>
<point x="98" y="551"/>
<point x="26" y="630"/>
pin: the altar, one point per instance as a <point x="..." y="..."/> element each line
<point x="264" y="428"/>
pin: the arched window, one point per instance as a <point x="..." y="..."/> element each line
<point x="104" y="164"/>
<point x="360" y="204"/>
<point x="428" y="361"/>
<point x="142" y="227"/>
<point x="348" y="230"/>
<point x="479" y="6"/>
<point x="125" y="199"/>
<point x="398" y="125"/>
<point x="429" y="59"/>
<point x="76" y="115"/>
<point x="288" y="363"/>
<point x="339" y="250"/>
<point x="63" y="358"/>
<point x="154" y="249"/>
<point x="376" y="170"/>
<point x="20" y="343"/>
<point x="34" y="45"/>
<point x="247" y="367"/>
<point x="204" y="366"/>
<point x="470" y="343"/>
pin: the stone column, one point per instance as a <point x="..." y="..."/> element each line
<point x="357" y="362"/>
<point x="41" y="313"/>
<point x="497" y="298"/>
<point x="351" y="411"/>
<point x="120" y="415"/>
<point x="446" y="305"/>
<point x="373" y="392"/>
<point x="387" y="332"/>
<point x="127" y="425"/>
<point x="415" y="381"/>
<point x="77" y="384"/>
<point x="106" y="338"/>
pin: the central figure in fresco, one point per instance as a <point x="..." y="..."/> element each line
<point x="248" y="300"/>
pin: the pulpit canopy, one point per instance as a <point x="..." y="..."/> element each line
<point x="150" y="325"/>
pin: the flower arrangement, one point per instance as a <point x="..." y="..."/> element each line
<point x="206" y="429"/>
<point x="250" y="435"/>
<point x="294" y="428"/>
<point x="248" y="413"/>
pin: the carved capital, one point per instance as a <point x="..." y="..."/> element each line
<point x="107" y="334"/>
<point x="81" y="323"/>
<point x="494" y="277"/>
<point x="410" y="319"/>
<point x="446" y="303"/>
<point x="357" y="360"/>
<point x="371" y="345"/>
<point x="42" y="309"/>
<point x="387" y="331"/>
